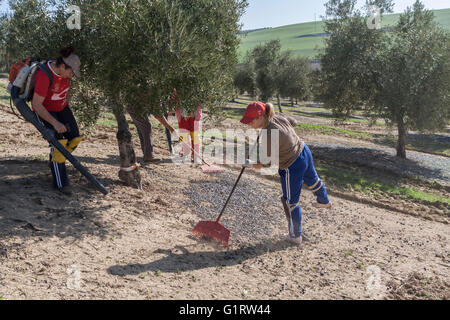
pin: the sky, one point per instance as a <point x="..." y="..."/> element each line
<point x="275" y="13"/>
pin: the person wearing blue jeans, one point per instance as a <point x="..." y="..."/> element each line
<point x="292" y="178"/>
<point x="295" y="163"/>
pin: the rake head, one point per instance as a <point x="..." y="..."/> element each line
<point x="212" y="230"/>
<point x="210" y="168"/>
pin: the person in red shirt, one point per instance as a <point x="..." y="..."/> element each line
<point x="190" y="125"/>
<point x="51" y="103"/>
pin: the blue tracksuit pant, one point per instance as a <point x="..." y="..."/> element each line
<point x="302" y="170"/>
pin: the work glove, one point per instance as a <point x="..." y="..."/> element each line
<point x="249" y="163"/>
<point x="177" y="136"/>
<point x="73" y="144"/>
<point x="57" y="156"/>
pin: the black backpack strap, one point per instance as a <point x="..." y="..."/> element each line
<point x="33" y="60"/>
<point x="44" y="68"/>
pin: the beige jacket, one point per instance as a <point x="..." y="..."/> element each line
<point x="290" y="145"/>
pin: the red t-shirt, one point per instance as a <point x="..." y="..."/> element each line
<point x="189" y="123"/>
<point x="56" y="95"/>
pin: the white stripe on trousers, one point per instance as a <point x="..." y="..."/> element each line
<point x="55" y="165"/>
<point x="288" y="186"/>
<point x="288" y="196"/>
<point x="57" y="175"/>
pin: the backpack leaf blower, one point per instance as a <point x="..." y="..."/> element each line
<point x="48" y="135"/>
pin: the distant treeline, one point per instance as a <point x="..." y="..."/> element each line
<point x="386" y="29"/>
<point x="252" y="30"/>
<point x="327" y="34"/>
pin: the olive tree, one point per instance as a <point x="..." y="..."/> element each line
<point x="4" y="59"/>
<point x="402" y="76"/>
<point x="414" y="78"/>
<point x="267" y="59"/>
<point x="245" y="78"/>
<point x="292" y="79"/>
<point x="349" y="63"/>
<point x="278" y="74"/>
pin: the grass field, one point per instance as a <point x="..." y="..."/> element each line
<point x="288" y="35"/>
<point x="366" y="185"/>
<point x="292" y="40"/>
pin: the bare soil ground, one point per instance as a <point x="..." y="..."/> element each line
<point x="134" y="244"/>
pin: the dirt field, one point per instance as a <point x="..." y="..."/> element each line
<point x="135" y="244"/>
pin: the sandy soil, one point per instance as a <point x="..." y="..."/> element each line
<point x="135" y="244"/>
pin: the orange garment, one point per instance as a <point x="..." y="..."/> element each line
<point x="191" y="125"/>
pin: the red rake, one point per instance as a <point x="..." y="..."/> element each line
<point x="208" y="168"/>
<point x="213" y="229"/>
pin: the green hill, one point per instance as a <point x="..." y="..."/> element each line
<point x="293" y="37"/>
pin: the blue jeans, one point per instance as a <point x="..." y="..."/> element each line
<point x="302" y="170"/>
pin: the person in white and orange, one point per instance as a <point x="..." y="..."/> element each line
<point x="51" y="103"/>
<point x="189" y="125"/>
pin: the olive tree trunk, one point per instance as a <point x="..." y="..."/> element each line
<point x="6" y="66"/>
<point x="401" y="142"/>
<point x="279" y="103"/>
<point x="128" y="173"/>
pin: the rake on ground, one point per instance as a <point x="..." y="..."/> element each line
<point x="206" y="167"/>
<point x="213" y="229"/>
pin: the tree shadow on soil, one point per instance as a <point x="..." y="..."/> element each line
<point x="110" y="159"/>
<point x="189" y="261"/>
<point x="378" y="159"/>
<point x="114" y="160"/>
<point x="236" y="112"/>
<point x="321" y="114"/>
<point x="431" y="143"/>
<point x="238" y="102"/>
<point x="29" y="206"/>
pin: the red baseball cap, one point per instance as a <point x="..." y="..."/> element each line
<point x="253" y="111"/>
